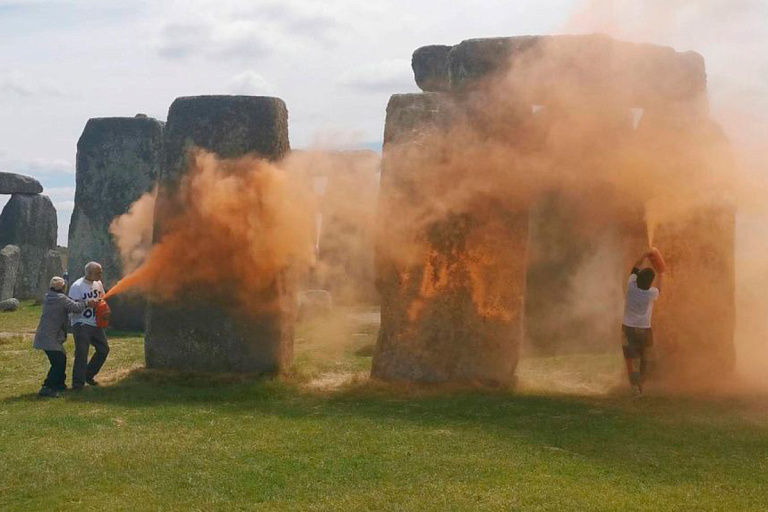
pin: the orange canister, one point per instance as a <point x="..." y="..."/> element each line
<point x="657" y="261"/>
<point x="103" y="314"/>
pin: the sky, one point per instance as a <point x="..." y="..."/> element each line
<point x="334" y="62"/>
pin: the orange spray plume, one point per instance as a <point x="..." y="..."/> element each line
<point x="239" y="223"/>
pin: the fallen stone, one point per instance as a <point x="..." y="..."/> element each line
<point x="118" y="160"/>
<point x="9" y="270"/>
<point x="196" y="332"/>
<point x="29" y="222"/>
<point x="9" y="305"/>
<point x="11" y="183"/>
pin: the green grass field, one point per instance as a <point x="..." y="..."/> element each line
<point x="326" y="438"/>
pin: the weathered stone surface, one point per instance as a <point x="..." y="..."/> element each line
<point x="452" y="301"/>
<point x="118" y="160"/>
<point x="11" y="183"/>
<point x="29" y="222"/>
<point x="197" y="332"/>
<point x="430" y="68"/>
<point x="557" y="69"/>
<point x="9" y="305"/>
<point x="52" y="266"/>
<point x="9" y="270"/>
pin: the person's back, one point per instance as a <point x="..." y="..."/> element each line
<point x="638" y="308"/>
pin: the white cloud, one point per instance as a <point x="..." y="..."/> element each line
<point x="16" y="83"/>
<point x="252" y="83"/>
<point x="37" y="166"/>
<point x="246" y="30"/>
<point x="386" y="76"/>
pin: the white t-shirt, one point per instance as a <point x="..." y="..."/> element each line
<point x="85" y="290"/>
<point x="639" y="306"/>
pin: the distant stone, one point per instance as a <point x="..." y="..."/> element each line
<point x="141" y="116"/>
<point x="11" y="183"/>
<point x="9" y="305"/>
<point x="9" y="270"/>
<point x="315" y="303"/>
<point x="118" y="160"/>
<point x="430" y="68"/>
<point x="52" y="266"/>
<point x="29" y="222"/>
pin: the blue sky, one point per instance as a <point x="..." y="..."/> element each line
<point x="334" y="62"/>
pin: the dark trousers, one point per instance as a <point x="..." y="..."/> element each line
<point x="58" y="372"/>
<point x="85" y="336"/>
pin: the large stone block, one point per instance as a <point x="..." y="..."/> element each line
<point x="29" y="222"/>
<point x="200" y="331"/>
<point x="558" y="69"/>
<point x="9" y="270"/>
<point x="452" y="289"/>
<point x="118" y="160"/>
<point x="11" y="183"/>
<point x="430" y="68"/>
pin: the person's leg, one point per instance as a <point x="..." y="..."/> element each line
<point x="99" y="340"/>
<point x="632" y="357"/>
<point x="50" y="379"/>
<point x="82" y="344"/>
<point x="59" y="367"/>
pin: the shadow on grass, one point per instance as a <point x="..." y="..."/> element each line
<point x="639" y="440"/>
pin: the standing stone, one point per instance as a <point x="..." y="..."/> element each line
<point x="9" y="270"/>
<point x="199" y="331"/>
<point x="695" y="318"/>
<point x="451" y="289"/>
<point x="11" y="183"/>
<point x="52" y="266"/>
<point x="29" y="222"/>
<point x="118" y="160"/>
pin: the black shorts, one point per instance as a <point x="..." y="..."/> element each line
<point x="636" y="340"/>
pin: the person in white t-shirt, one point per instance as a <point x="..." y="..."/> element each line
<point x="636" y="328"/>
<point x="85" y="329"/>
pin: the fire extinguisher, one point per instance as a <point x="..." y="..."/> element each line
<point x="657" y="261"/>
<point x="103" y="314"/>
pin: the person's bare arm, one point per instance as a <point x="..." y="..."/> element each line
<point x="660" y="282"/>
<point x="639" y="262"/>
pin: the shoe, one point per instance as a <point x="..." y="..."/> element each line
<point x="92" y="383"/>
<point x="49" y="393"/>
<point x="637" y="392"/>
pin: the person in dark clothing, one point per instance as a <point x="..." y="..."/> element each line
<point x="51" y="333"/>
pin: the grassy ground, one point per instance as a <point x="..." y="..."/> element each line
<point x="326" y="438"/>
